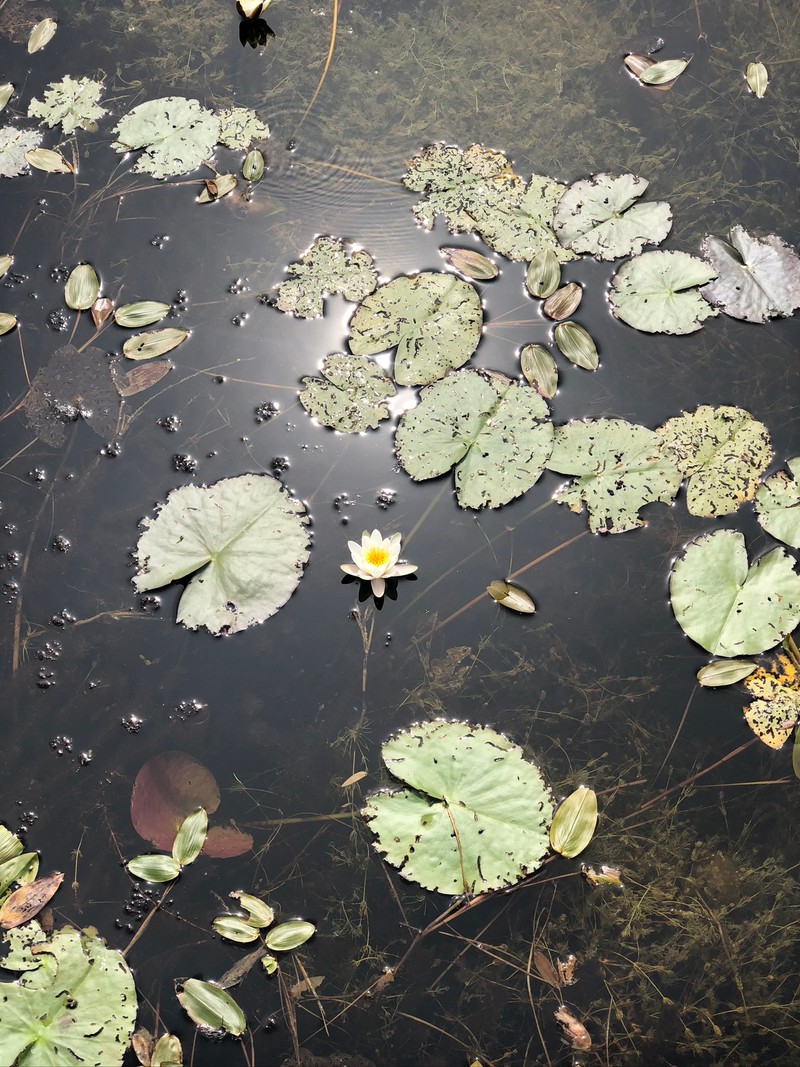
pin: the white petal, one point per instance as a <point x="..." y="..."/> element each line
<point x="400" y="569"/>
<point x="378" y="587"/>
<point x="350" y="568"/>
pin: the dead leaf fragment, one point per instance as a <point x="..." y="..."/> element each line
<point x="574" y="1030"/>
<point x="307" y="985"/>
<point x="545" y="969"/>
<point x="353" y="779"/>
<point x="28" y="900"/>
<point x="141" y="378"/>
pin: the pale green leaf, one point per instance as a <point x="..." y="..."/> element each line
<point x="543" y="275"/>
<point x="351" y="396"/>
<point x="470" y="263"/>
<point x="82" y="287"/>
<point x="41" y="34"/>
<point x="495" y="432"/>
<point x="289" y="935"/>
<point x="433" y="319"/>
<point x="5" y="262"/>
<point x="154" y="343"/>
<point x="154" y="868"/>
<point x="511" y="597"/>
<point x="253" y="166"/>
<point x="724" y="672"/>
<point x="722" y="451"/>
<point x="239" y="127"/>
<point x="728" y="608"/>
<point x="20" y="869"/>
<point x="190" y="837"/>
<point x="269" y="963"/>
<point x="49" y="161"/>
<point x="757" y="78"/>
<point x="658" y="292"/>
<point x="778" y="504"/>
<point x="207" y="1004"/>
<point x="540" y="370"/>
<point x="176" y="135"/>
<point x="796" y="754"/>
<point x="574" y="823"/>
<point x="475" y="816"/>
<point x="599" y="215"/>
<point x="7" y="322"/>
<point x="665" y="71"/>
<point x="327" y="267"/>
<point x="142" y="313"/>
<point x="757" y="278"/>
<point x="235" y="928"/>
<point x="167" y="1052"/>
<point x="14" y="144"/>
<point x="244" y="536"/>
<point x="618" y="467"/>
<point x="71" y="102"/>
<point x="259" y="913"/>
<point x="6" y="92"/>
<point x="10" y="844"/>
<point x="519" y="224"/>
<point x="576" y="345"/>
<point x="74" y="1002"/>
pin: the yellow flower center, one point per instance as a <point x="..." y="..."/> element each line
<point x="376" y="556"/>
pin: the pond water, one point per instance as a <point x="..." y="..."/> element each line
<point x="694" y="960"/>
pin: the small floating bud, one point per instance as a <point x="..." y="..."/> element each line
<point x="511" y="596"/>
<point x="757" y="78"/>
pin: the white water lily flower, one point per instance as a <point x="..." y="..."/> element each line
<point x="375" y="560"/>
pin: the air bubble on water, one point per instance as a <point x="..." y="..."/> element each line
<point x="10" y="591"/>
<point x="59" y="274"/>
<point x="112" y="450"/>
<point x="12" y="559"/>
<point x="45" y="679"/>
<point x="170" y="423"/>
<point x="385" y="498"/>
<point x="266" y="411"/>
<point x="181" y="299"/>
<point x="62" y="618"/>
<point x="10" y="528"/>
<point x="58" y="320"/>
<point x="279" y="465"/>
<point x="150" y="603"/>
<point x="60" y="745"/>
<point x="238" y="287"/>
<point x="220" y="379"/>
<point x="132" y="723"/>
<point x="239" y="320"/>
<point x="61" y="543"/>
<point x="188" y="709"/>
<point x="38" y="474"/>
<point x="184" y="464"/>
<point x="159" y="240"/>
<point x="51" y="650"/>
<point x="85" y="758"/>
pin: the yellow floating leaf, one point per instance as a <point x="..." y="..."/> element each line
<point x="511" y="596"/>
<point x="775" y="713"/>
<point x="724" y="672"/>
<point x="353" y="779"/>
<point x="574" y="823"/>
<point x="49" y="161"/>
<point x="7" y="322"/>
<point x="154" y="343"/>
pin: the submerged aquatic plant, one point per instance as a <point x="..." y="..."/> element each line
<point x="375" y="560"/>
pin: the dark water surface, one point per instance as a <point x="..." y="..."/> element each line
<point x="695" y="961"/>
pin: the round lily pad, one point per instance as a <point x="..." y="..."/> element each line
<point x="657" y="292"/>
<point x="600" y="216"/>
<point x="758" y="278"/>
<point x="778" y="504"/>
<point x="476" y="814"/>
<point x="728" y="608"/>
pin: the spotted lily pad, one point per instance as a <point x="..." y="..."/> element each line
<point x="14" y="143"/>
<point x="73" y="1003"/>
<point x="757" y="278"/>
<point x="617" y="468"/>
<point x="434" y="320"/>
<point x="475" y="815"/>
<point x="728" y="608"/>
<point x="351" y="395"/>
<point x="239" y="127"/>
<point x="72" y="102"/>
<point x="458" y="182"/>
<point x="776" y="711"/>
<point x="174" y="133"/>
<point x="519" y="223"/>
<point x="600" y="216"/>
<point x="327" y="267"/>
<point x="722" y="451"/>
<point x="658" y="292"/>
<point x="493" y="431"/>
<point x="778" y="504"/>
<point x="244" y="540"/>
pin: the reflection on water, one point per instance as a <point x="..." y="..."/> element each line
<point x="693" y="961"/>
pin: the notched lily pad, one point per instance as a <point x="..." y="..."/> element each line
<point x="351" y="396"/>
<point x="14" y="144"/>
<point x="73" y="387"/>
<point x="776" y="711"/>
<point x="758" y="278"/>
<point x="244" y="540"/>
<point x="599" y="215"/>
<point x="778" y="504"/>
<point x="327" y="267"/>
<point x="475" y="815"/>
<point x="617" y="468"/>
<point x="728" y="608"/>
<point x="434" y="320"/>
<point x="494" y="431"/>
<point x="722" y="451"/>
<point x="175" y="135"/>
<point x="658" y="292"/>
<point x="239" y="127"/>
<point x="71" y="102"/>
<point x="519" y="224"/>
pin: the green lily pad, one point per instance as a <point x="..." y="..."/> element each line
<point x="72" y="102"/>
<point x="325" y="268"/>
<point x="434" y="319"/>
<point x="519" y="223"/>
<point x="494" y="431"/>
<point x="657" y="292"/>
<point x="757" y="278"/>
<point x="722" y="451"/>
<point x="456" y="182"/>
<point x="599" y="215"/>
<point x="175" y="134"/>
<point x="778" y="504"/>
<point x="728" y="608"/>
<point x="14" y="143"/>
<point x="239" y="127"/>
<point x="74" y="1003"/>
<point x="475" y="816"/>
<point x="245" y="541"/>
<point x="352" y="398"/>
<point x="618" y="467"/>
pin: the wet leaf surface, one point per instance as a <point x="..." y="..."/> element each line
<point x="776" y="711"/>
<point x="174" y="134"/>
<point x="600" y="216"/>
<point x="757" y="278"/>
<point x="72" y="102"/>
<point x="327" y="267"/>
<point x="208" y="1005"/>
<point x="73" y="387"/>
<point x="778" y="504"/>
<point x="351" y="397"/>
<point x="658" y="292"/>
